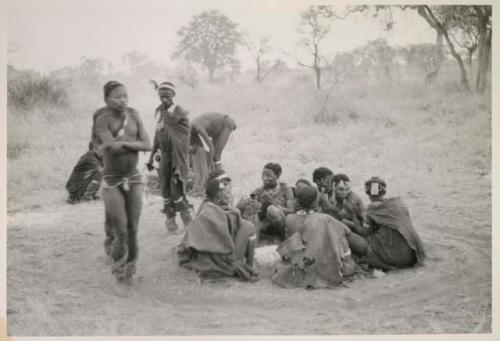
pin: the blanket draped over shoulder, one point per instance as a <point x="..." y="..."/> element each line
<point x="174" y="136"/>
<point x="393" y="213"/>
<point x="317" y="253"/>
<point x="215" y="244"/>
<point x="86" y="170"/>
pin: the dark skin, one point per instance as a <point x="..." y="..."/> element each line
<point x="325" y="185"/>
<point x="270" y="180"/>
<point x="166" y="97"/>
<point x="120" y="158"/>
<point x="209" y="126"/>
<point x="354" y="224"/>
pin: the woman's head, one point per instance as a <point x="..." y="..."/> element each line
<point x="307" y="196"/>
<point x="166" y="92"/>
<point x="375" y="188"/>
<point x="323" y="178"/>
<point x="219" y="189"/>
<point x="302" y="182"/>
<point x="115" y="95"/>
<point x="270" y="174"/>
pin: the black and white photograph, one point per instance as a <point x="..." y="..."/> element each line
<point x="265" y="168"/>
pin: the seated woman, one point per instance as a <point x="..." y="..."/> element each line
<point x="85" y="179"/>
<point x="387" y="240"/>
<point x="219" y="243"/>
<point x="299" y="183"/>
<point x="316" y="253"/>
<point x="275" y="200"/>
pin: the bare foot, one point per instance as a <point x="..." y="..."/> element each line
<point x="122" y="289"/>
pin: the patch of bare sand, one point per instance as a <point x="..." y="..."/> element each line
<point x="59" y="283"/>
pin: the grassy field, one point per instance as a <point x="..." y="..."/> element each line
<point x="431" y="145"/>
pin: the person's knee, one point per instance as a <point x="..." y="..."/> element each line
<point x="358" y="244"/>
<point x="274" y="213"/>
<point x="120" y="234"/>
<point x="118" y="225"/>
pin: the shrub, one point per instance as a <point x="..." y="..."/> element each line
<point x="27" y="90"/>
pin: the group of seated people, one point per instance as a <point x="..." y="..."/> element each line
<point x="324" y="231"/>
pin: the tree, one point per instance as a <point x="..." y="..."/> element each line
<point x="134" y="59"/>
<point x="188" y="75"/>
<point x="466" y="19"/>
<point x="210" y="40"/>
<point x="314" y="28"/>
<point x="446" y="20"/>
<point x="344" y="67"/>
<point x="483" y="23"/>
<point x="258" y="50"/>
<point x="438" y="17"/>
<point x="467" y="37"/>
<point x="93" y="70"/>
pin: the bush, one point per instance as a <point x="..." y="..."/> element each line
<point x="27" y="90"/>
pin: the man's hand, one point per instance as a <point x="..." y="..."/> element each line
<point x="265" y="198"/>
<point x="115" y="146"/>
<point x="250" y="207"/>
<point x="218" y="166"/>
<point x="323" y="198"/>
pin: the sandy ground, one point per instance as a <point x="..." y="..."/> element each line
<point x="59" y="282"/>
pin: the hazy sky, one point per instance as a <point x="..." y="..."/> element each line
<point x="51" y="34"/>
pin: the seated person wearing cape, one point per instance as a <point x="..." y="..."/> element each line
<point x="218" y="243"/>
<point x="316" y="253"/>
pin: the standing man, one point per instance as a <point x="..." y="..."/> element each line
<point x="172" y="137"/>
<point x="209" y="135"/>
<point x="121" y="135"/>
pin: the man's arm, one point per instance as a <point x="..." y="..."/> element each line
<point x="143" y="144"/>
<point x="328" y="208"/>
<point x="290" y="202"/>
<point x="200" y="130"/>
<point x="104" y="134"/>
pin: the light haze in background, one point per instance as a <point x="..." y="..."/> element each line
<point x="51" y="34"/>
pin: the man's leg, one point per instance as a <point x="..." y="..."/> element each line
<point x="200" y="166"/>
<point x="114" y="202"/>
<point x="179" y="199"/>
<point x="358" y="245"/>
<point x="108" y="230"/>
<point x="163" y="177"/>
<point x="166" y="176"/>
<point x="221" y="140"/>
<point x="134" y="208"/>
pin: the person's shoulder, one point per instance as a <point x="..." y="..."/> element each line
<point x="99" y="112"/>
<point x="102" y="116"/>
<point x="180" y="110"/>
<point x="355" y="197"/>
<point x="258" y="190"/>
<point x="134" y="113"/>
<point x="285" y="186"/>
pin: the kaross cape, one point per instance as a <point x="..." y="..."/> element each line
<point x="215" y="244"/>
<point x="316" y="255"/>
